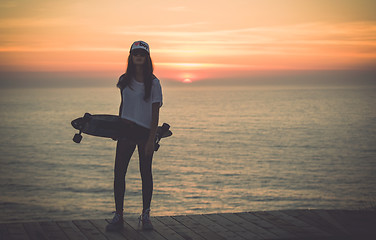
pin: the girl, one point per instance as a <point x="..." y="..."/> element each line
<point x="141" y="98"/>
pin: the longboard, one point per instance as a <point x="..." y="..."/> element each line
<point x="110" y="126"/>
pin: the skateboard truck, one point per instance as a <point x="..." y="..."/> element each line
<point x="78" y="137"/>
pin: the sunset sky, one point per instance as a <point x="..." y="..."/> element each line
<point x="190" y="40"/>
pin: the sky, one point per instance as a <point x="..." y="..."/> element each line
<point x="193" y="40"/>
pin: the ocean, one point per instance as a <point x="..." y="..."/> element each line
<point x="233" y="149"/>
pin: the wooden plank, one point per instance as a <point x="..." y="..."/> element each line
<point x="53" y="231"/>
<point x="165" y="231"/>
<point x="129" y="231"/>
<point x="198" y="228"/>
<point x="215" y="227"/>
<point x="35" y="231"/>
<point x="311" y="230"/>
<point x="101" y="224"/>
<point x="288" y="227"/>
<point x="365" y="223"/>
<point x="16" y="231"/>
<point x="71" y="230"/>
<point x="341" y="219"/>
<point x="242" y="232"/>
<point x="325" y="215"/>
<point x="151" y="235"/>
<point x="261" y="232"/>
<point x="181" y="229"/>
<point x="89" y="230"/>
<point x="4" y="234"/>
<point x="309" y="217"/>
<point x="259" y="221"/>
<point x="357" y="223"/>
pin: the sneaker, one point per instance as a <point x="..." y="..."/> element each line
<point x="116" y="224"/>
<point x="145" y="219"/>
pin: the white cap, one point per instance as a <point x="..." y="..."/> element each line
<point x="140" y="45"/>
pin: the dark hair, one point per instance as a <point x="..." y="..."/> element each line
<point x="125" y="79"/>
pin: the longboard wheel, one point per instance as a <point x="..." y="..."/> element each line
<point x="165" y="127"/>
<point x="87" y="116"/>
<point x="77" y="138"/>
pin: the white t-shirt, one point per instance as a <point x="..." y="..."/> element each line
<point x="135" y="108"/>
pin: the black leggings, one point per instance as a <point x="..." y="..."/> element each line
<point x="124" y="152"/>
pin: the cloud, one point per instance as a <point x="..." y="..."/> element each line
<point x="192" y="66"/>
<point x="32" y="22"/>
<point x="289" y="40"/>
<point x="176" y="9"/>
<point x="8" y="4"/>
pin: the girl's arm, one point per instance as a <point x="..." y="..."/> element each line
<point x="121" y="103"/>
<point x="149" y="148"/>
<point x="120" y="108"/>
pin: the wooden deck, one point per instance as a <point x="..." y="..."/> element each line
<point x="289" y="224"/>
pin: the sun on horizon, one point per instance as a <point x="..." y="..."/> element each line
<point x="187" y="80"/>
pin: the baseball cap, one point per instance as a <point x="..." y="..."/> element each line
<point x="140" y="45"/>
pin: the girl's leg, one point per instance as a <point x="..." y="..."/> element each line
<point x="124" y="151"/>
<point x="146" y="176"/>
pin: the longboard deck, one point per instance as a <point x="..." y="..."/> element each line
<point x="109" y="126"/>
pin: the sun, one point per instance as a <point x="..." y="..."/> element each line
<point x="187" y="80"/>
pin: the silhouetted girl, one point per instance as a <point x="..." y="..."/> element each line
<point x="141" y="98"/>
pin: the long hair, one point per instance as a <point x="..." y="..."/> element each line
<point x="125" y="79"/>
